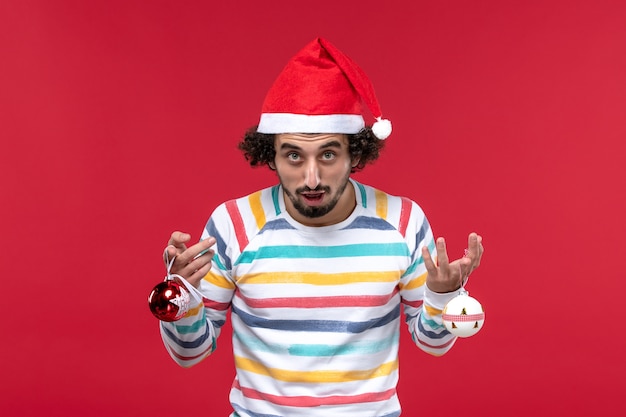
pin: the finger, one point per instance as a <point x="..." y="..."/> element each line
<point x="442" y="254"/>
<point x="175" y="246"/>
<point x="197" y="263"/>
<point x="466" y="268"/>
<point x="472" y="251"/>
<point x="184" y="264"/>
<point x="201" y="263"/>
<point x="472" y="245"/>
<point x="428" y="261"/>
<point x="188" y="270"/>
<point x="475" y="250"/>
<point x="196" y="277"/>
<point x="196" y="250"/>
<point x="204" y="246"/>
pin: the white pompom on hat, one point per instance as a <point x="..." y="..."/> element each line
<point x="321" y="90"/>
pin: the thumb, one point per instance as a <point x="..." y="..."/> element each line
<point x="178" y="239"/>
<point x="176" y="245"/>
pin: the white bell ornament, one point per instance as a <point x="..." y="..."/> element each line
<point x="463" y="316"/>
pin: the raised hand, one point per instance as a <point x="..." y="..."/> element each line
<point x="191" y="263"/>
<point x="445" y="276"/>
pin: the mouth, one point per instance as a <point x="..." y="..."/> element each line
<point x="313" y="198"/>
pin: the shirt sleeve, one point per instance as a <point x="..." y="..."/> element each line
<point x="194" y="337"/>
<point x="423" y="307"/>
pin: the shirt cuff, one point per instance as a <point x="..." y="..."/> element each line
<point x="438" y="300"/>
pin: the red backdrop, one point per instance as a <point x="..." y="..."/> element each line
<point x="119" y="122"/>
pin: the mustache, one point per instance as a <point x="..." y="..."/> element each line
<point x="317" y="189"/>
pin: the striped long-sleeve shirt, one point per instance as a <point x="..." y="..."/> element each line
<point x="316" y="311"/>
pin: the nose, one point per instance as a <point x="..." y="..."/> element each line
<point x="312" y="175"/>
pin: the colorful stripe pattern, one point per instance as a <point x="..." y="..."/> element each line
<point x="316" y="312"/>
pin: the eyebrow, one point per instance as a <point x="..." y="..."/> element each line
<point x="331" y="144"/>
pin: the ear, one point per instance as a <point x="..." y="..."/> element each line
<point x="356" y="161"/>
<point x="272" y="165"/>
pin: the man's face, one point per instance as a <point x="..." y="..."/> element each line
<point x="314" y="170"/>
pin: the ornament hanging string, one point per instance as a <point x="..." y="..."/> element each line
<point x="464" y="277"/>
<point x="197" y="295"/>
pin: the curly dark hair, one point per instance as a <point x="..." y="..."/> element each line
<point x="258" y="148"/>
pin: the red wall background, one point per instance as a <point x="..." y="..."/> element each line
<point x="119" y="122"/>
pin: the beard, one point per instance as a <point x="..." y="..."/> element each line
<point x="317" y="211"/>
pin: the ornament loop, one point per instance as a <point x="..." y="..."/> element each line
<point x="466" y="277"/>
<point x="169" y="262"/>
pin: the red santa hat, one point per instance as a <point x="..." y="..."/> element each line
<point x="321" y="90"/>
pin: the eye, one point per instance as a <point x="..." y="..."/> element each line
<point x="328" y="155"/>
<point x="292" y="156"/>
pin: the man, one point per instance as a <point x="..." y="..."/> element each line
<point x="318" y="269"/>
